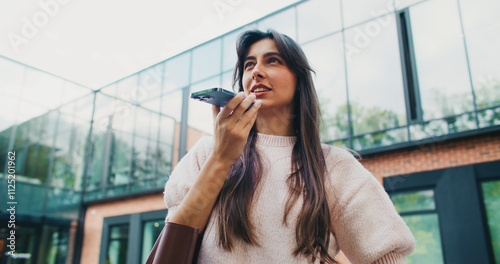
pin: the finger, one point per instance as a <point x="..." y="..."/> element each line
<point x="243" y="106"/>
<point x="247" y="120"/>
<point x="248" y="126"/>
<point x="232" y="104"/>
<point x="215" y="111"/>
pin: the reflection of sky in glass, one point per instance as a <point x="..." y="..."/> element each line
<point x="206" y="60"/>
<point x="374" y="74"/>
<point x="167" y="129"/>
<point x="177" y="72"/>
<point x="318" y="18"/>
<point x="482" y="32"/>
<point x="11" y="78"/>
<point x="150" y="82"/>
<point x="283" y="22"/>
<point x="327" y="59"/>
<point x="143" y="120"/>
<point x="441" y="62"/>
<point x="229" y="56"/>
<point x="127" y="89"/>
<point x="171" y="104"/>
<point x="42" y="89"/>
<point x="227" y="81"/>
<point x="357" y="11"/>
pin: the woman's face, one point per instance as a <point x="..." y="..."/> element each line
<point x="266" y="74"/>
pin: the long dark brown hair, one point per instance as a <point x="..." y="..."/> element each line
<point x="307" y="178"/>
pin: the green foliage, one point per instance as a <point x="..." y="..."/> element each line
<point x="491" y="194"/>
<point x="414" y="201"/>
<point x="425" y="228"/>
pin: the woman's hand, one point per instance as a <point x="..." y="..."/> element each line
<point x="232" y="126"/>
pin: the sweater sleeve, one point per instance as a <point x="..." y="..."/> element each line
<point x="185" y="174"/>
<point x="365" y="223"/>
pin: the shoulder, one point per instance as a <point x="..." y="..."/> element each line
<point x="345" y="174"/>
<point x="338" y="156"/>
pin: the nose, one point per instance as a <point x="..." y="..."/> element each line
<point x="258" y="72"/>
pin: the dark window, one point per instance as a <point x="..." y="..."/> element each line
<point x="418" y="210"/>
<point x="491" y="198"/>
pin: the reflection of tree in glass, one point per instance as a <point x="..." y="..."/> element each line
<point x="487" y="93"/>
<point x="335" y="125"/>
<point x="369" y="119"/>
<point x="422" y="200"/>
<point x="444" y="104"/>
<point x="491" y="194"/>
<point x="425" y="228"/>
<point x="487" y="96"/>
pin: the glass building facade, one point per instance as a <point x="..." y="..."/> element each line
<point x="389" y="75"/>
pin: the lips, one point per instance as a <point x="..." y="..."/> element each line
<point x="259" y="88"/>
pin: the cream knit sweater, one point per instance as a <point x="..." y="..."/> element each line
<point x="366" y="226"/>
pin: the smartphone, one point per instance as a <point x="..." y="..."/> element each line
<point x="215" y="96"/>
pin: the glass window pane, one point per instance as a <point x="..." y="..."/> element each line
<point x="42" y="89"/>
<point x="151" y="231"/>
<point x="177" y="72"/>
<point x="327" y="60"/>
<point x="318" y="18"/>
<point x="171" y="104"/>
<point x="167" y="130"/>
<point x="229" y="57"/>
<point x="150" y="82"/>
<point x="283" y="22"/>
<point x="142" y="159"/>
<point x="441" y="62"/>
<point x="374" y="77"/>
<point x="123" y="116"/>
<point x="109" y="90"/>
<point x="73" y="91"/>
<point x="143" y="122"/>
<point x="227" y="81"/>
<point x="8" y="118"/>
<point x="206" y="60"/>
<point x="491" y="194"/>
<point x="126" y="89"/>
<point x="414" y="201"/>
<point x="425" y="228"/>
<point x="357" y="11"/>
<point x="121" y="158"/>
<point x="482" y="32"/>
<point x="118" y="243"/>
<point x="164" y="156"/>
<point x="11" y="78"/>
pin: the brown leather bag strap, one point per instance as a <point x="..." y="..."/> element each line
<point x="175" y="244"/>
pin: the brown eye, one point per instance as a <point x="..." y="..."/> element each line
<point x="248" y="64"/>
<point x="274" y="60"/>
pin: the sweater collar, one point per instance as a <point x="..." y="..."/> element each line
<point x="275" y="141"/>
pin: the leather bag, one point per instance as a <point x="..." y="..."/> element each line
<point x="176" y="244"/>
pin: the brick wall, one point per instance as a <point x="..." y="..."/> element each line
<point x="97" y="212"/>
<point x="434" y="156"/>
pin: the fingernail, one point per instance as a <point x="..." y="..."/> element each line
<point x="258" y="102"/>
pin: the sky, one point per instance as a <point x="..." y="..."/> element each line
<point x="95" y="43"/>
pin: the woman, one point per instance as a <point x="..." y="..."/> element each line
<point x="265" y="190"/>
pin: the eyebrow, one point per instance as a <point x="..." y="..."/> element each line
<point x="268" y="54"/>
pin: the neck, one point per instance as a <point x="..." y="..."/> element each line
<point x="278" y="122"/>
